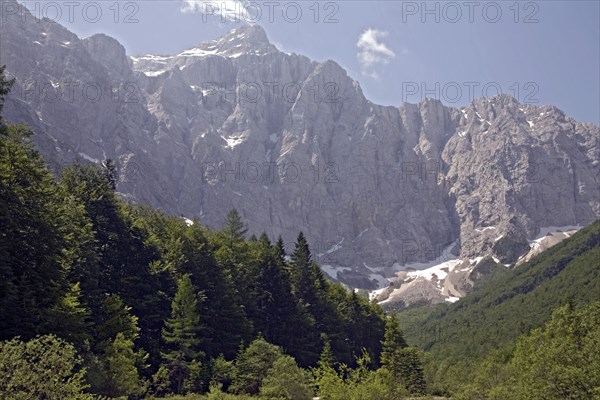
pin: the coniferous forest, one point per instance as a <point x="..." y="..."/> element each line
<point x="102" y="298"/>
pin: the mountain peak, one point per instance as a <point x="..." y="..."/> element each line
<point x="250" y="33"/>
<point x="247" y="39"/>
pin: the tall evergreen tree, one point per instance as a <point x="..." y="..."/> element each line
<point x="123" y="368"/>
<point x="124" y="256"/>
<point x="302" y="277"/>
<point x="393" y="340"/>
<point x="279" y="318"/>
<point x="117" y="365"/>
<point x="181" y="335"/>
<point x="402" y="362"/>
<point x="235" y="229"/>
<point x="224" y="322"/>
<point x="71" y="319"/>
<point x="32" y="263"/>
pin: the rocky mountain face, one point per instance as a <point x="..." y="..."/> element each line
<point x="295" y="145"/>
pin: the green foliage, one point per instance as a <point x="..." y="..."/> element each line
<point x="252" y="365"/>
<point x="360" y="383"/>
<point x="558" y="361"/>
<point x="215" y="393"/>
<point x="122" y="367"/>
<point x="116" y="365"/>
<point x="393" y="341"/>
<point x="71" y="319"/>
<point x="234" y="228"/>
<point x="222" y="373"/>
<point x="181" y="334"/>
<point x="31" y="242"/>
<point x="516" y="302"/>
<point x="43" y="368"/>
<point x="406" y="368"/>
<point x="562" y="360"/>
<point x="286" y="381"/>
<point x="472" y="341"/>
<point x="116" y="318"/>
<point x="401" y="362"/>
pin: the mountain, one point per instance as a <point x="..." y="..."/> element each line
<point x="511" y="303"/>
<point x="380" y="192"/>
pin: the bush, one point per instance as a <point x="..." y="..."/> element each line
<point x="42" y="368"/>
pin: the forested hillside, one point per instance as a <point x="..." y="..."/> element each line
<point x="512" y="302"/>
<point x="479" y="332"/>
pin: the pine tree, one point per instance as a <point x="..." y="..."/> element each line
<point x="279" y="252"/>
<point x="31" y="240"/>
<point x="235" y="229"/>
<point x="302" y="278"/>
<point x="181" y="334"/>
<point x="124" y="257"/>
<point x="326" y="359"/>
<point x="224" y="323"/>
<point x="279" y="317"/>
<point x="123" y="371"/>
<point x="116" y="318"/>
<point x="393" y="341"/>
<point x="410" y="370"/>
<point x="403" y="362"/>
<point x="71" y="320"/>
<point x="117" y="365"/>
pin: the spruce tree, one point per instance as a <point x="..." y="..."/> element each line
<point x="124" y="257"/>
<point x="302" y="277"/>
<point x="224" y="322"/>
<point x="402" y="362"/>
<point x="181" y="335"/>
<point x="71" y="319"/>
<point x="279" y="317"/>
<point x="116" y="367"/>
<point x="235" y="229"/>
<point x="31" y="238"/>
<point x="123" y="372"/>
<point x="392" y="342"/>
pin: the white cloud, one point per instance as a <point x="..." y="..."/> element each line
<point x="228" y="10"/>
<point x="372" y="51"/>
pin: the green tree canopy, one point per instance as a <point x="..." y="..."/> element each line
<point x="182" y="335"/>
<point x="43" y="368"/>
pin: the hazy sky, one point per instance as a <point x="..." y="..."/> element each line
<point x="538" y="51"/>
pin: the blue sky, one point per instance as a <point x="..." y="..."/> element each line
<point x="538" y="51"/>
